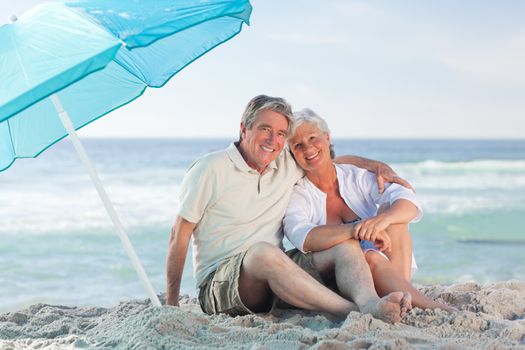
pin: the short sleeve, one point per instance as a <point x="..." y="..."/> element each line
<point x="196" y="191"/>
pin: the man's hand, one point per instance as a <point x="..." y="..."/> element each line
<point x="384" y="173"/>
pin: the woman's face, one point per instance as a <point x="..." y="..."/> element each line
<point x="310" y="147"/>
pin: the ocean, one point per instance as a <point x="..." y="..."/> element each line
<point x="57" y="244"/>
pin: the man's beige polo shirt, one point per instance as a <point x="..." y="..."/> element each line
<point x="233" y="205"/>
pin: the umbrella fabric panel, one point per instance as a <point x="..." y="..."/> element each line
<point x="128" y="21"/>
<point x="42" y="53"/>
<point x="38" y="127"/>
<point x="53" y="43"/>
<point x="173" y="53"/>
<point x="7" y="154"/>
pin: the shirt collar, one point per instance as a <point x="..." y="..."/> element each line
<point x="340" y="178"/>
<point x="240" y="163"/>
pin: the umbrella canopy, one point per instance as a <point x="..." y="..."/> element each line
<point x="64" y="64"/>
<point x="104" y="52"/>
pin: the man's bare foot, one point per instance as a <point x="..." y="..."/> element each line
<point x="390" y="308"/>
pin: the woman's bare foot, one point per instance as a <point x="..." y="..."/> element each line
<point x="390" y="308"/>
<point x="406" y="304"/>
<point x="448" y="308"/>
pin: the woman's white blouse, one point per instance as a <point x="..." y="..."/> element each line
<point x="358" y="188"/>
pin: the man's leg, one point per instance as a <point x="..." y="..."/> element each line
<point x="266" y="269"/>
<point x="401" y="253"/>
<point x="346" y="262"/>
<point x="387" y="279"/>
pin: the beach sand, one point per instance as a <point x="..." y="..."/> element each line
<point x="491" y="317"/>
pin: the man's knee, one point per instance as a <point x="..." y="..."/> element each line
<point x="265" y="254"/>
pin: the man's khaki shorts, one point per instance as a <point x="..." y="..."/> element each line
<point x="219" y="293"/>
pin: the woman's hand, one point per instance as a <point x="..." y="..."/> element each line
<point x="373" y="229"/>
<point x="382" y="242"/>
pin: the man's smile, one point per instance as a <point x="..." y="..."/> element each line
<point x="267" y="149"/>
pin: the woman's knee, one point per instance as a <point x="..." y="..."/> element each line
<point x="375" y="260"/>
<point x="345" y="252"/>
<point x="348" y="246"/>
<point x="398" y="229"/>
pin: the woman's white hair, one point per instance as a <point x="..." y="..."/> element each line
<point x="306" y="115"/>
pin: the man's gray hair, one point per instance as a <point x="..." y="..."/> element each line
<point x="306" y="115"/>
<point x="263" y="102"/>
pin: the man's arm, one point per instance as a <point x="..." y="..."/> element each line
<point x="177" y="251"/>
<point x="326" y="236"/>
<point x="383" y="171"/>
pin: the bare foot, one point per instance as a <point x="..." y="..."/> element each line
<point x="390" y="307"/>
<point x="433" y="304"/>
<point x="448" y="308"/>
<point x="406" y="304"/>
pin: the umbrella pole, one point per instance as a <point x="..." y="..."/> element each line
<point x="68" y="124"/>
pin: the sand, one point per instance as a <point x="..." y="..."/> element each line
<point x="491" y="317"/>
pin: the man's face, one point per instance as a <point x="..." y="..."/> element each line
<point x="263" y="143"/>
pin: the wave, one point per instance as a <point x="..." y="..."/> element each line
<point x="487" y="165"/>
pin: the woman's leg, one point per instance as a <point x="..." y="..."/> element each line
<point x="388" y="279"/>
<point x="401" y="253"/>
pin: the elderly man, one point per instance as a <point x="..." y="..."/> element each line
<point x="233" y="203"/>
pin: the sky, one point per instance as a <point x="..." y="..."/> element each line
<point x="372" y="69"/>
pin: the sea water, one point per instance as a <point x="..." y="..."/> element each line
<point x="57" y="244"/>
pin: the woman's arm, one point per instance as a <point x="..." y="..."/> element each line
<point x="326" y="236"/>
<point x="402" y="211"/>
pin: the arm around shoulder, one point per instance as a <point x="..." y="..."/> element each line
<point x="177" y="250"/>
<point x="384" y="173"/>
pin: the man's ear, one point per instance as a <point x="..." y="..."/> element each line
<point x="242" y="130"/>
<point x="327" y="137"/>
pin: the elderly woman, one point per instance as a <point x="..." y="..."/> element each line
<point x="337" y="202"/>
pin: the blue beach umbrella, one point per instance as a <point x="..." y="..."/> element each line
<point x="65" y="64"/>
